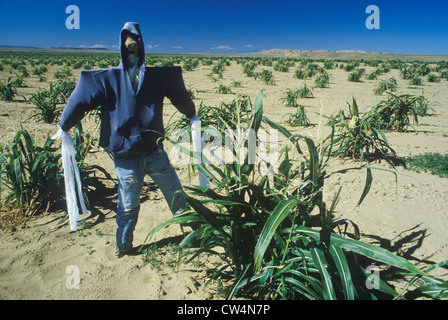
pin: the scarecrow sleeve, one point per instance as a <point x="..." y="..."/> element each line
<point x="86" y="97"/>
<point x="178" y="94"/>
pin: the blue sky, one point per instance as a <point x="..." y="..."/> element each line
<point x="406" y="26"/>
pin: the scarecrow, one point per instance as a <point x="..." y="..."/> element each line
<point x="131" y="99"/>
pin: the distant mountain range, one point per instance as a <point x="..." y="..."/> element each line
<point x="292" y="51"/>
<point x="275" y="53"/>
<point x="81" y="49"/>
<point x="61" y="48"/>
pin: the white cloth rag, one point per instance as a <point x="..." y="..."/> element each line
<point x="72" y="178"/>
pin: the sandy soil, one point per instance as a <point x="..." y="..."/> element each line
<point x="408" y="217"/>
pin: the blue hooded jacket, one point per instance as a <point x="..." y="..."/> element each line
<point x="131" y="122"/>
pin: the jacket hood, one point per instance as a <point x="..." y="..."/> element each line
<point x="134" y="28"/>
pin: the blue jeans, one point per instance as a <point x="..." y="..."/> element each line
<point x="131" y="171"/>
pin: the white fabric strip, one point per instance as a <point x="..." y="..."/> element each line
<point x="72" y="178"/>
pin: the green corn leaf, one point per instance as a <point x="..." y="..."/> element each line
<point x="314" y="162"/>
<point x="257" y="112"/>
<point x="355" y="110"/>
<point x="280" y="212"/>
<point x="210" y="177"/>
<point x="381" y="133"/>
<point x="367" y="185"/>
<point x="433" y="290"/>
<point x="18" y="186"/>
<point x="179" y="219"/>
<point x="302" y="288"/>
<point x="284" y="132"/>
<point x="321" y="264"/>
<point x="344" y="271"/>
<point x="365" y="249"/>
<point x="383" y="286"/>
<point x="217" y="198"/>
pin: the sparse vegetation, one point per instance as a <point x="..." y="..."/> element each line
<point x="434" y="163"/>
<point x="270" y="226"/>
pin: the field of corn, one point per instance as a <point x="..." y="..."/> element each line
<point x="353" y="206"/>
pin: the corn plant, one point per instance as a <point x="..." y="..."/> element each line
<point x="30" y="173"/>
<point x="215" y="117"/>
<point x="64" y="88"/>
<point x="358" y="137"/>
<point x="223" y="89"/>
<point x="63" y="73"/>
<point x="322" y="81"/>
<point x="386" y="85"/>
<point x="416" y="80"/>
<point x="47" y="102"/>
<point x="356" y="75"/>
<point x="281" y="66"/>
<point x="290" y="98"/>
<point x="433" y="78"/>
<point x="299" y="73"/>
<point x="248" y="68"/>
<point x="299" y="118"/>
<point x="266" y="77"/>
<point x="22" y="72"/>
<point x="7" y="90"/>
<point x="395" y="113"/>
<point x="218" y="69"/>
<point x="46" y="105"/>
<point x="278" y="239"/>
<point x="305" y="92"/>
<point x="190" y="64"/>
<point x="329" y="64"/>
<point x="235" y="84"/>
<point x="372" y="76"/>
<point x="422" y="106"/>
<point x="18" y="82"/>
<point x="83" y="145"/>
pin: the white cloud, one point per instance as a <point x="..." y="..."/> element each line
<point x="152" y="46"/>
<point x="95" y="46"/>
<point x="177" y="47"/>
<point x="222" y="48"/>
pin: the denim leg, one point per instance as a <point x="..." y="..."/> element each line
<point x="130" y="175"/>
<point x="164" y="175"/>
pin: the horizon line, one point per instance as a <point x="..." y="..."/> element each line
<point x="97" y="48"/>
